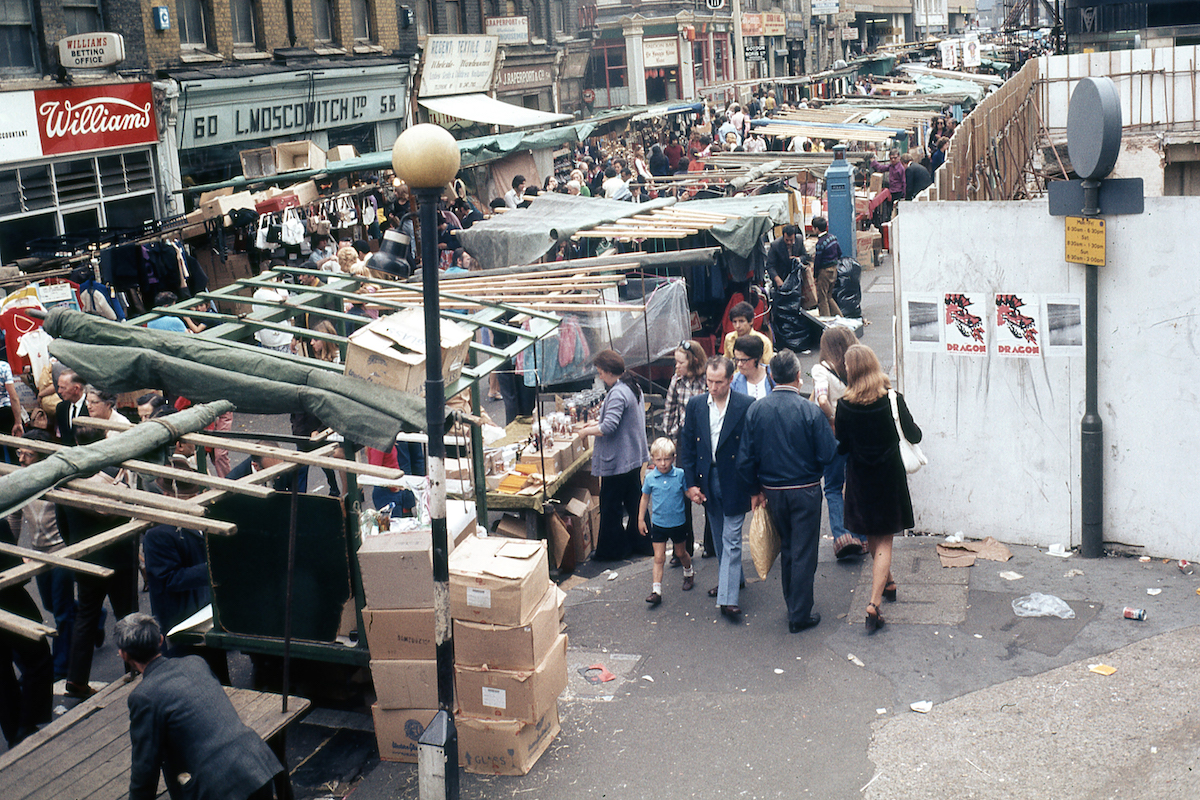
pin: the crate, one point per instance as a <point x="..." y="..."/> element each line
<point x="258" y="162"/>
<point x="293" y="156"/>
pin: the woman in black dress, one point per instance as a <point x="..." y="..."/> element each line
<point x="877" y="500"/>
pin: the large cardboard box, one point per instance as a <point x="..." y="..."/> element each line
<point x="220" y="206"/>
<point x="498" y="580"/>
<point x="258" y="162"/>
<point x="552" y="460"/>
<point x="391" y="351"/>
<point x="876" y="182"/>
<point x="397" y="731"/>
<point x="405" y="683"/>
<point x="514" y="647"/>
<point x="397" y="570"/>
<point x="305" y="191"/>
<point x="341" y="152"/>
<point x="577" y="511"/>
<point x="502" y="746"/>
<point x="513" y="694"/>
<point x="292" y="156"/>
<point x="400" y="633"/>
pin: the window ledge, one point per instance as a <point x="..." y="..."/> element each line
<point x="328" y="50"/>
<point x="199" y="56"/>
<point x="367" y="48"/>
<point x="251" y="55"/>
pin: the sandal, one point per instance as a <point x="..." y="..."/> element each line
<point x="874" y="621"/>
<point x="889" y="591"/>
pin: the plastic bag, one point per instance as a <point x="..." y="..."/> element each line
<point x="847" y="289"/>
<point x="764" y="542"/>
<point x="792" y="329"/>
<point x="1042" y="605"/>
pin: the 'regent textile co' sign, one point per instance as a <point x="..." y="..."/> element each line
<point x="48" y="122"/>
<point x="91" y="50"/>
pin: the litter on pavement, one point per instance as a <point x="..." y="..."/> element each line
<point x="855" y="660"/>
<point x="1101" y="669"/>
<point x="922" y="706"/>
<point x="1009" y="575"/>
<point x="1153" y="592"/>
<point x="1058" y="550"/>
<point x="963" y="554"/>
<point x="1042" y="605"/>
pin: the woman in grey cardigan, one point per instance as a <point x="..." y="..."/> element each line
<point x="618" y="454"/>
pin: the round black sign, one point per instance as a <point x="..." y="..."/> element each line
<point x="1094" y="128"/>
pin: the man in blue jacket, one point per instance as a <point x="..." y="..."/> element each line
<point x="708" y="451"/>
<point x="785" y="447"/>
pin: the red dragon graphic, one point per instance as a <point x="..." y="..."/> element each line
<point x="1018" y="324"/>
<point x="967" y="323"/>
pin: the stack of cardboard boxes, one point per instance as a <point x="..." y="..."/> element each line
<point x="510" y="657"/>
<point x="397" y="572"/>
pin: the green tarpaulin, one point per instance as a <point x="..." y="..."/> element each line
<point x="124" y="358"/>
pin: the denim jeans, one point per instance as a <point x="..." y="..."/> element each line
<point x="57" y="590"/>
<point x="727" y="542"/>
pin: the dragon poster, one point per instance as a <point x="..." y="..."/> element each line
<point x="1018" y="325"/>
<point x="964" y="315"/>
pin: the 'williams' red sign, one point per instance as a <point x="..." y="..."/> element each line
<point x="79" y="119"/>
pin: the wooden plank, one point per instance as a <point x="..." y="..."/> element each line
<point x="23" y="572"/>
<point x="124" y="494"/>
<point x="158" y="515"/>
<point x="55" y="560"/>
<point x="26" y="628"/>
<point x="311" y="459"/>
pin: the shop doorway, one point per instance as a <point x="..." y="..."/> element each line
<point x="662" y="85"/>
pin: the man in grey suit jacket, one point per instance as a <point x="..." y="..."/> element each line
<point x="708" y="449"/>
<point x="182" y="723"/>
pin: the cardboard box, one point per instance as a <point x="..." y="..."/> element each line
<point x="876" y="182"/>
<point x="511" y="527"/>
<point x="391" y="351"/>
<point x="206" y="196"/>
<point x="397" y="570"/>
<point x="577" y="515"/>
<point x="552" y="460"/>
<point x="349" y="621"/>
<point x="497" y="580"/>
<point x="512" y="647"/>
<point x="461" y="521"/>
<point x="397" y="731"/>
<point x="305" y="191"/>
<point x="405" y="683"/>
<point x="562" y="555"/>
<point x="195" y="225"/>
<point x="400" y="633"/>
<point x="220" y="206"/>
<point x="341" y="152"/>
<point x="513" y="694"/>
<point x="502" y="746"/>
<point x="258" y="162"/>
<point x="292" y="156"/>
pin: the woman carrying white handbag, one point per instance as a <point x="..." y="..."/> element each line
<point x="878" y="504"/>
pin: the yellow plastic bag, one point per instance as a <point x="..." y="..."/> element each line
<point x="764" y="542"/>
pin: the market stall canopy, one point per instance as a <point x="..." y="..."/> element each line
<point x="125" y="358"/>
<point x="488" y="110"/>
<point x="524" y="235"/>
<point x="666" y="109"/>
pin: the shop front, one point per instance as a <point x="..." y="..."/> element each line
<point x="79" y="161"/>
<point x="528" y="81"/>
<point x="218" y="118"/>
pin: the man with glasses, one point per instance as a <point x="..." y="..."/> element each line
<point x="708" y="449"/>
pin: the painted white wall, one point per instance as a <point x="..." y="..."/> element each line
<point x="1002" y="434"/>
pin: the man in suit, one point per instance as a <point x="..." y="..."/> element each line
<point x="781" y="253"/>
<point x="708" y="449"/>
<point x="71" y="388"/>
<point x="785" y="447"/>
<point x="182" y="723"/>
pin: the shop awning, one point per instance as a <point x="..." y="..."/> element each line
<point x="488" y="110"/>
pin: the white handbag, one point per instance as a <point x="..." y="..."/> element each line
<point x="293" y="228"/>
<point x="910" y="453"/>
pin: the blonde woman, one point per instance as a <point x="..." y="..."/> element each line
<point x="877" y="501"/>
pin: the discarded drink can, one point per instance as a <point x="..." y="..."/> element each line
<point x="1135" y="613"/>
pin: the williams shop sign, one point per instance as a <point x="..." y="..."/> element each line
<point x="49" y="122"/>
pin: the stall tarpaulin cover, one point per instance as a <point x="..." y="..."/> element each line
<point x="651" y="329"/>
<point x="123" y="358"/>
<point x="524" y="235"/>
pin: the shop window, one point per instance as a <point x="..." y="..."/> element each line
<point x="426" y="21"/>
<point x="510" y="8"/>
<point x="127" y="173"/>
<point x="15" y="233"/>
<point x="193" y="24"/>
<point x="82" y="16"/>
<point x="129" y="212"/>
<point x="76" y="181"/>
<point x="360" y="12"/>
<point x="558" y="16"/>
<point x="18" y="49"/>
<point x="453" y="16"/>
<point x="242" y="16"/>
<point x="322" y="12"/>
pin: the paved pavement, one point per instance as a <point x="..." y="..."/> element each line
<point x="704" y="708"/>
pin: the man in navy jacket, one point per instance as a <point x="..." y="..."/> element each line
<point x="708" y="450"/>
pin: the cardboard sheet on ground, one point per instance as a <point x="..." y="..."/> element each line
<point x="963" y="554"/>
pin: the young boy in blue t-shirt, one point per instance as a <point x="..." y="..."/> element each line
<point x="662" y="495"/>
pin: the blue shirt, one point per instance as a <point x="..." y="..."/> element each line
<point x="666" y="497"/>
<point x="167" y="324"/>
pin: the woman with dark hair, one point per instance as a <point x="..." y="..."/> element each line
<point x="660" y="165"/>
<point x="619" y="451"/>
<point x="753" y="377"/>
<point x="829" y="384"/>
<point x="878" y="504"/>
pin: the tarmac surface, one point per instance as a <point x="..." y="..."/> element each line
<point x="701" y="707"/>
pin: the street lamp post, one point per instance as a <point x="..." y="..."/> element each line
<point x="426" y="157"/>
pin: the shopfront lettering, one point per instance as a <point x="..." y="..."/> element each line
<point x="290" y="116"/>
<point x="98" y="115"/>
<point x="78" y="119"/>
